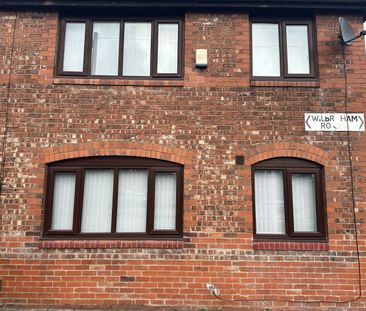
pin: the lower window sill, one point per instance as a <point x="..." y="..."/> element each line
<point x="291" y="246"/>
<point x="116" y="81"/>
<point x="104" y="244"/>
<point x="286" y="83"/>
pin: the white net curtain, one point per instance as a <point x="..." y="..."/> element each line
<point x="74" y="47"/>
<point x="63" y="201"/>
<point x="132" y="201"/>
<point x="97" y="201"/>
<point x="105" y="49"/>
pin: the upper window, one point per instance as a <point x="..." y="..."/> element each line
<point x="283" y="49"/>
<point x="288" y="199"/>
<point x="128" y="48"/>
<point x="114" y="197"/>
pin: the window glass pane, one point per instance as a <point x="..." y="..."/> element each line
<point x="165" y="201"/>
<point x="304" y="202"/>
<point x="132" y="201"/>
<point x="265" y="50"/>
<point x="97" y="201"/>
<point x="137" y="49"/>
<point x="105" y="50"/>
<point x="63" y="201"/>
<point x="74" y="47"/>
<point x="168" y="48"/>
<point x="297" y="49"/>
<point x="269" y="202"/>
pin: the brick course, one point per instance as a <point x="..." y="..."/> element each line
<point x="203" y="122"/>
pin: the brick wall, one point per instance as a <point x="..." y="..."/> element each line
<point x="202" y="122"/>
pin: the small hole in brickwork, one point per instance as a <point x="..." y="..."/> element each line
<point x="239" y="160"/>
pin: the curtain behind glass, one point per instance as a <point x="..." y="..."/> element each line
<point x="105" y="49"/>
<point x="269" y="202"/>
<point x="304" y="202"/>
<point x="74" y="47"/>
<point x="137" y="49"/>
<point x="265" y="50"/>
<point x="168" y="48"/>
<point x="132" y="201"/>
<point x="63" y="201"/>
<point x="298" y="61"/>
<point x="165" y="201"/>
<point x="97" y="202"/>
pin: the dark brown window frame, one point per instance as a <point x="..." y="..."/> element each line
<point x="88" y="47"/>
<point x="291" y="166"/>
<point x="78" y="166"/>
<point x="282" y="23"/>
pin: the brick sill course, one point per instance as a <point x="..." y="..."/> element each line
<point x="285" y="83"/>
<point x="291" y="246"/>
<point x="104" y="244"/>
<point x="119" y="82"/>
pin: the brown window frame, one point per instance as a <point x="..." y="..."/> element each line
<point x="291" y="166"/>
<point x="282" y="23"/>
<point x="78" y="166"/>
<point x="153" y="52"/>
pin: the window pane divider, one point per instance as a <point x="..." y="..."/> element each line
<point x="150" y="201"/>
<point x="115" y="200"/>
<point x="121" y="42"/>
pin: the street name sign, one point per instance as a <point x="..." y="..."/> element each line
<point x="354" y="122"/>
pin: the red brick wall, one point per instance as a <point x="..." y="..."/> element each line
<point x="202" y="122"/>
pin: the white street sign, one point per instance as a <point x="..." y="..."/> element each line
<point x="335" y="122"/>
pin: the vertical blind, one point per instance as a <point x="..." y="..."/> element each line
<point x="137" y="49"/>
<point x="132" y="201"/>
<point x="269" y="202"/>
<point x="265" y="50"/>
<point x="165" y="201"/>
<point x="298" y="61"/>
<point x="74" y="47"/>
<point x="105" y="49"/>
<point x="304" y="202"/>
<point x="63" y="201"/>
<point x="100" y="195"/>
<point x="97" y="200"/>
<point x="167" y="48"/>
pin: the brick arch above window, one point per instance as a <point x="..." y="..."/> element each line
<point x="134" y="149"/>
<point x="292" y="150"/>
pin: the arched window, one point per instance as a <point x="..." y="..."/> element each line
<point x="288" y="199"/>
<point x="114" y="197"/>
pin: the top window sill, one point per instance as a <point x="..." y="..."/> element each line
<point x="117" y="82"/>
<point x="313" y="83"/>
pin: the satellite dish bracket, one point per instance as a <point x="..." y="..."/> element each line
<point x="361" y="34"/>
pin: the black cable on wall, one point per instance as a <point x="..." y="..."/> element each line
<point x="7" y="104"/>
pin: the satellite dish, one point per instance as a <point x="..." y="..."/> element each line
<point x="346" y="32"/>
